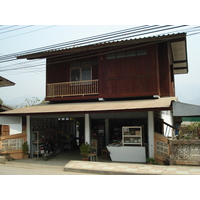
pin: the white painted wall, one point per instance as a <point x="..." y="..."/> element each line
<point x="151" y="134"/>
<point x="168" y="118"/>
<point x="87" y="128"/>
<point x="15" y="123"/>
<point x="28" y="126"/>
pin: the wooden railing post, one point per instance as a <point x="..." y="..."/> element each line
<point x="76" y="88"/>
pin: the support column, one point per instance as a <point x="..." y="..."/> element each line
<point x="87" y="128"/>
<point x="28" y="129"/>
<point x="107" y="131"/>
<point x="151" y="134"/>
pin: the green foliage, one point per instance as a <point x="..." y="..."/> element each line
<point x="25" y="148"/>
<point x="151" y="161"/>
<point x="1" y="101"/>
<point x="31" y="102"/>
<point x="189" y="132"/>
<point x="27" y="102"/>
<point x="85" y="149"/>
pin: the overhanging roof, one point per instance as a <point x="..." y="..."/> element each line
<point x="95" y="107"/>
<point x="179" y="56"/>
<point x="4" y="108"/>
<point x="185" y="110"/>
<point x="177" y="42"/>
<point x="5" y="82"/>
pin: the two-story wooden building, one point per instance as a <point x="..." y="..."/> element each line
<point x="95" y="90"/>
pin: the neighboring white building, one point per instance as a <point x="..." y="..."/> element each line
<point x="14" y="122"/>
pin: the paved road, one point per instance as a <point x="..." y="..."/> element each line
<point x="11" y="168"/>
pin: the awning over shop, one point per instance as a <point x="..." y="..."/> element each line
<point x="95" y="107"/>
<point x="185" y="110"/>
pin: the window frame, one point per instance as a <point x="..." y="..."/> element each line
<point x="127" y="54"/>
<point x="81" y="73"/>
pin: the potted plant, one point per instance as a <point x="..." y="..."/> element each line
<point x="84" y="150"/>
<point x="25" y="149"/>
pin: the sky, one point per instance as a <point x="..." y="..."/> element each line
<point x="56" y="29"/>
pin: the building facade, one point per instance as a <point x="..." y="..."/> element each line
<point x="107" y="94"/>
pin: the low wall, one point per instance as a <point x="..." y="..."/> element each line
<point x="184" y="152"/>
<point x="12" y="144"/>
<point x="161" y="148"/>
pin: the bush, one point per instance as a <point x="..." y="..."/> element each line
<point x="151" y="161"/>
<point x="189" y="132"/>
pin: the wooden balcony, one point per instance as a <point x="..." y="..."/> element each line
<point x="77" y="88"/>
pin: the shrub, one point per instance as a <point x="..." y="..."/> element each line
<point x="189" y="132"/>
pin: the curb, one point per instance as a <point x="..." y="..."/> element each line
<point x="102" y="169"/>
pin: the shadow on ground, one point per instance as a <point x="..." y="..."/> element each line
<point x="58" y="160"/>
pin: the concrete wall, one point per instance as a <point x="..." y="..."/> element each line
<point x="15" y="123"/>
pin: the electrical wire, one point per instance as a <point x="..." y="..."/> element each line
<point x="60" y="45"/>
<point x="7" y="27"/>
<point x="94" y="39"/>
<point x="28" y="32"/>
<point x="89" y="39"/>
<point x="11" y="69"/>
<point x="17" y="29"/>
<point x="136" y="31"/>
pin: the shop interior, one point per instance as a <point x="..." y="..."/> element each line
<point x="114" y="134"/>
<point x="67" y="133"/>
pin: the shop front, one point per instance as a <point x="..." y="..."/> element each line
<point x="124" y="128"/>
<point x="64" y="132"/>
<point x="124" y="135"/>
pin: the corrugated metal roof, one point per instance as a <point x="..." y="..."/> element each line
<point x="178" y="46"/>
<point x="87" y="107"/>
<point x="99" y="44"/>
<point x="184" y="109"/>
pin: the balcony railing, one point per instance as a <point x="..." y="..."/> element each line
<point x="77" y="88"/>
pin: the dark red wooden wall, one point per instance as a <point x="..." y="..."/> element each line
<point x="129" y="76"/>
<point x="136" y="76"/>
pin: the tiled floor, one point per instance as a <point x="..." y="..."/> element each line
<point x="123" y="168"/>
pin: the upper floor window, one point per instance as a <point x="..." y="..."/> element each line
<point x="82" y="70"/>
<point x="124" y="54"/>
<point x="81" y="73"/>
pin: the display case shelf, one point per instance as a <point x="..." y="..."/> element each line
<point x="132" y="135"/>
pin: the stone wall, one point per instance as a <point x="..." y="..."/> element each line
<point x="184" y="152"/>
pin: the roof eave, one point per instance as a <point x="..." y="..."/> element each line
<point x="91" y="47"/>
<point x="5" y="82"/>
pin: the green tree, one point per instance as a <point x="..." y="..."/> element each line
<point x="27" y="102"/>
<point x="31" y="102"/>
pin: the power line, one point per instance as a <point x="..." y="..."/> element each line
<point x="7" y="27"/>
<point x="28" y="32"/>
<point x="16" y="29"/>
<point x="127" y="33"/>
<point x="137" y="31"/>
<point x="60" y="45"/>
